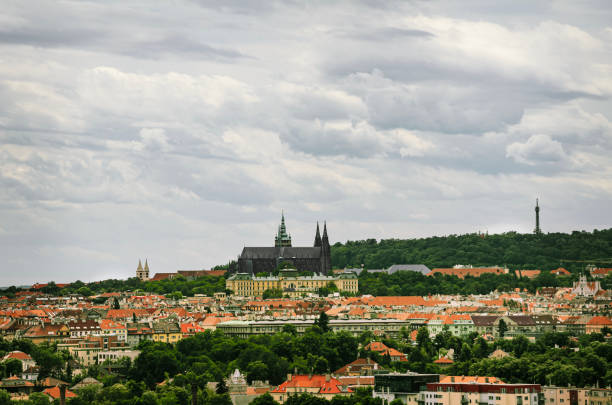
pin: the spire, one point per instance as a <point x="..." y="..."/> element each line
<point x="317" y="241"/>
<point x="139" y="265"/>
<point x="282" y="239"/>
<point x="146" y="265"/>
<point x="537" y="229"/>
<point x="324" y="230"/>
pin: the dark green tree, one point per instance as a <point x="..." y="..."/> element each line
<point x="502" y="328"/>
<point x="323" y="322"/>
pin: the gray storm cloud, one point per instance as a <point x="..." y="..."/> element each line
<point x="179" y="132"/>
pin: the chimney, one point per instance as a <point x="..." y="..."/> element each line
<point x="289" y="376"/>
<point x="327" y="377"/>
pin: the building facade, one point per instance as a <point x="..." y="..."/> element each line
<point x="292" y="285"/>
<point x="244" y="329"/>
<point x="481" y="394"/>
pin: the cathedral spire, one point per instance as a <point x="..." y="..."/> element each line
<point x="139" y="265"/>
<point x="317" y="241"/>
<point x="146" y="267"/>
<point x="282" y="238"/>
<point x="325" y="230"/>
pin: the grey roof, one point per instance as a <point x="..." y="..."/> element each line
<point x="419" y="268"/>
<point x="276" y="252"/>
<point x="484" y="320"/>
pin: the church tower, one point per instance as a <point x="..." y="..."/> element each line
<point x="537" y="229"/>
<point x="142" y="273"/>
<point x="317" y="241"/>
<point x="282" y="238"/>
<point x="325" y="252"/>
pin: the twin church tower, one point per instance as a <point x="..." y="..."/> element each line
<point x="317" y="258"/>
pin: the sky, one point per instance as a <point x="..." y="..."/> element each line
<point x="177" y="131"/>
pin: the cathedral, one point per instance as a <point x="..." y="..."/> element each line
<point x="317" y="258"/>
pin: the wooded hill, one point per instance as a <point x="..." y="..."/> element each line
<point x="512" y="249"/>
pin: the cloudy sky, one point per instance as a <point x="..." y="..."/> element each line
<point x="178" y="130"/>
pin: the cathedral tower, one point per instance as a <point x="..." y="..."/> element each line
<point x="325" y="252"/>
<point x="282" y="238"/>
<point x="317" y="241"/>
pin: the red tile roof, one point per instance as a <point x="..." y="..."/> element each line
<point x="600" y="320"/>
<point x="55" y="393"/>
<point x="333" y="386"/>
<point x="462" y="272"/>
<point x="527" y="273"/>
<point x="17" y="355"/>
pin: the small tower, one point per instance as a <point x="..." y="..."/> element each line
<point x="317" y="241"/>
<point x="282" y="238"/>
<point x="325" y="252"/>
<point x="537" y="229"/>
<point x="142" y="274"/>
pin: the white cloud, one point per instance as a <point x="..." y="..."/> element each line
<point x="539" y="149"/>
<point x="134" y="130"/>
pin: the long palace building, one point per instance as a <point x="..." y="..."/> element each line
<point x="288" y="281"/>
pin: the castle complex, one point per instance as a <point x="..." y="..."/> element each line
<point x="316" y="259"/>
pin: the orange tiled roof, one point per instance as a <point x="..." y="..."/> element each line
<point x="333" y="386"/>
<point x="18" y="355"/>
<point x="110" y="324"/>
<point x="55" y="393"/>
<point x="462" y="272"/>
<point x="560" y="272"/>
<point x="600" y="320"/>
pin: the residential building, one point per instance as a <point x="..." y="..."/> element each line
<point x="86" y="351"/>
<point x="109" y="327"/>
<point x="384" y="350"/>
<point x="600" y="272"/>
<point x="459" y="393"/>
<point x="458" y="325"/>
<point x="82" y="328"/>
<point x="597" y="323"/>
<point x="26" y="360"/>
<point x="137" y="332"/>
<point x="321" y="386"/>
<point x="358" y="367"/>
<point x="47" y="332"/>
<point x="168" y="332"/>
<point x="403" y="386"/>
<point x="114" y="355"/>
